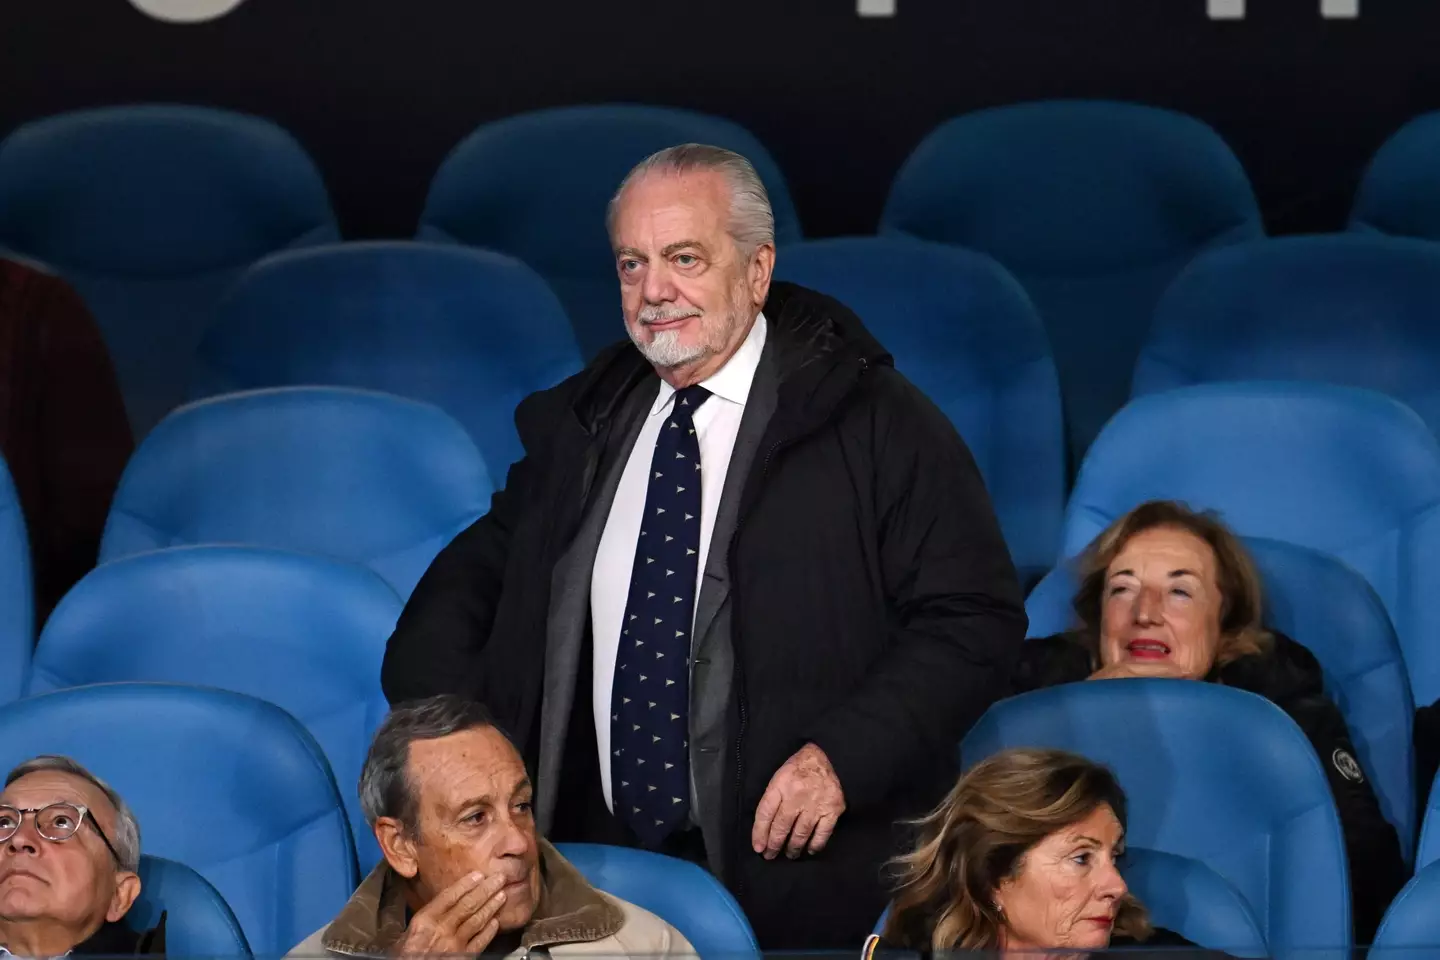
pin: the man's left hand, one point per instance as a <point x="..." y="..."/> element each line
<point x="800" y="807"/>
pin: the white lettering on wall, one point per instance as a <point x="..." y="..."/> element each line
<point x="1329" y="9"/>
<point x="186" y="11"/>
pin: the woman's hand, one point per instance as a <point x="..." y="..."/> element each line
<point x="1130" y="669"/>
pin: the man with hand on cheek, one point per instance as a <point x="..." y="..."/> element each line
<point x="465" y="871"/>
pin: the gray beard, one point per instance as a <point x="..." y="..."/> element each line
<point x="666" y="350"/>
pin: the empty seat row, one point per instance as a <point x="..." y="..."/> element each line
<point x="152" y="210"/>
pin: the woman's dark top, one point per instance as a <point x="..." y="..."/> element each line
<point x="1289" y="677"/>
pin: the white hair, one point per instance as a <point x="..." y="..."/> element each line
<point x="752" y="222"/>
<point x="127" y="829"/>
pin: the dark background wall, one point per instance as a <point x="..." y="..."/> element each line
<point x="379" y="90"/>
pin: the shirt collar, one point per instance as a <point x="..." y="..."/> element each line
<point x="732" y="381"/>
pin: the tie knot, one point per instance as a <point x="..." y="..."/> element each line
<point x="690" y="398"/>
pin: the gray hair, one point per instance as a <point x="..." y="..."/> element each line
<point x="752" y="222"/>
<point x="384" y="787"/>
<point x="126" y="838"/>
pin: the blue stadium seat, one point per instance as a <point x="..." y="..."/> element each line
<point x="1411" y="928"/>
<point x="1399" y="192"/>
<point x="351" y="474"/>
<point x="198" y="921"/>
<point x="231" y="786"/>
<point x="1346" y="308"/>
<point x="470" y="331"/>
<point x="17" y="594"/>
<point x="1344" y="471"/>
<point x="679" y="892"/>
<point x="963" y="331"/>
<point x="305" y="633"/>
<point x="1215" y="775"/>
<point x="1334" y="612"/>
<point x="536" y="186"/>
<point x="150" y="211"/>
<point x="1094" y="206"/>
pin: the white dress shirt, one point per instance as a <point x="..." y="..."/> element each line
<point x="716" y="424"/>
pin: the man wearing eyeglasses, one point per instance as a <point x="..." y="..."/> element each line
<point x="69" y="852"/>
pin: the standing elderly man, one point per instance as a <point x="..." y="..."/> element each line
<point x="745" y="592"/>
<point x="69" y="852"/>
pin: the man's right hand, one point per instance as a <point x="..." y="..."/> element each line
<point x="460" y="920"/>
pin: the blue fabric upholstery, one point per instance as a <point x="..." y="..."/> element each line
<point x="470" y="331"/>
<point x="1399" y="192"/>
<point x="1411" y="928"/>
<point x="1325" y="605"/>
<point x="686" y="896"/>
<point x="231" y="786"/>
<point x="1345" y="308"/>
<point x="963" y="331"/>
<point x="536" y="186"/>
<point x="150" y="211"/>
<point x="17" y="593"/>
<point x="1344" y="471"/>
<point x="198" y="921"/>
<point x="352" y="474"/>
<point x="1094" y="206"/>
<point x="1213" y="774"/>
<point x="302" y="632"/>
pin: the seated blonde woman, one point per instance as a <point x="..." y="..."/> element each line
<point x="1021" y="856"/>
<point x="1169" y="592"/>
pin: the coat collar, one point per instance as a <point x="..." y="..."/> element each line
<point x="570" y="911"/>
<point x="819" y="347"/>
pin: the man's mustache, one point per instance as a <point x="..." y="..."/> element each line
<point x="666" y="314"/>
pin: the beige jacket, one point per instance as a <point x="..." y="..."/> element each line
<point x="573" y="920"/>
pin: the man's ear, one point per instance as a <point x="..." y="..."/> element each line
<point x="397" y="846"/>
<point x="127" y="888"/>
<point x="762" y="267"/>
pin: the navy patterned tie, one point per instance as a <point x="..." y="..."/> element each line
<point x="650" y="702"/>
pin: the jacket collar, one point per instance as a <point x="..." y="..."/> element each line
<point x="820" y="349"/>
<point x="570" y="911"/>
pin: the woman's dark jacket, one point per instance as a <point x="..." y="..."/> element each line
<point x="1290" y="677"/>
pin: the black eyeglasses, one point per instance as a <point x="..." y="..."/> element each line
<point x="56" y="822"/>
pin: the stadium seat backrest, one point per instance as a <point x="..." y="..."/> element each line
<point x="351" y="474"/>
<point x="685" y="895"/>
<point x="1320" y="602"/>
<point x="1411" y="928"/>
<point x="1341" y="470"/>
<point x="1399" y="192"/>
<point x="964" y="332"/>
<point x="303" y="632"/>
<point x="198" y="921"/>
<point x="231" y="786"/>
<point x="1212" y="774"/>
<point x="1344" y="308"/>
<point x="536" y="186"/>
<point x="1094" y="206"/>
<point x="17" y="594"/>
<point x="150" y="210"/>
<point x="468" y="330"/>
<point x="1185" y="896"/>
